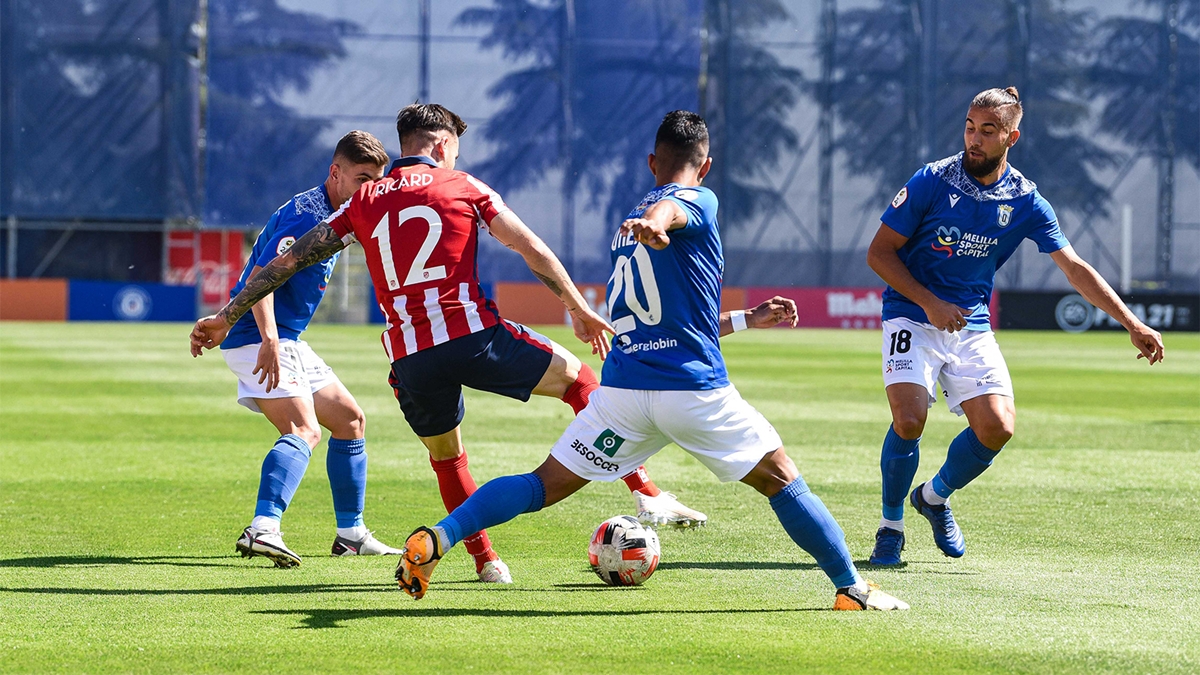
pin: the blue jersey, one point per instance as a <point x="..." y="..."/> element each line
<point x="960" y="232"/>
<point x="298" y="297"/>
<point x="665" y="305"/>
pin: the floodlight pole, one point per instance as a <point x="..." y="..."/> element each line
<point x="423" y="40"/>
<point x="567" y="137"/>
<point x="1019" y="25"/>
<point x="828" y="41"/>
<point x="1169" y="63"/>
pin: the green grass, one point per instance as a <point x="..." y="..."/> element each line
<point x="127" y="471"/>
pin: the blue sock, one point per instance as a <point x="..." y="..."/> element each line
<point x="813" y="528"/>
<point x="498" y="501"/>
<point x="898" y="464"/>
<point x="966" y="459"/>
<point x="346" y="464"/>
<point x="282" y="470"/>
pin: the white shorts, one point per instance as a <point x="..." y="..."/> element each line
<point x="621" y="428"/>
<point x="301" y="372"/>
<point x="966" y="364"/>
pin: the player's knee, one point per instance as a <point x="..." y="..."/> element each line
<point x="356" y="426"/>
<point x="996" y="433"/>
<point x="772" y="473"/>
<point x="908" y="426"/>
<point x="566" y="366"/>
<point x="310" y="435"/>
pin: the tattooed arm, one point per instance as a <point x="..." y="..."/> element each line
<point x="589" y="326"/>
<point x="316" y="245"/>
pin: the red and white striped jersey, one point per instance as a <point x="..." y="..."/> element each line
<point x="419" y="227"/>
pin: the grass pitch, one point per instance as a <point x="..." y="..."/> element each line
<point x="127" y="470"/>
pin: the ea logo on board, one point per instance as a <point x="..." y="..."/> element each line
<point x="1074" y="314"/>
<point x="132" y="303"/>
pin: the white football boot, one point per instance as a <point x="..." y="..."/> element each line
<point x="852" y="599"/>
<point x="665" y="509"/>
<point x="368" y="545"/>
<point x="268" y="544"/>
<point x="495" y="572"/>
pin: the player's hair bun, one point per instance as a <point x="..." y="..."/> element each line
<point x="1013" y="92"/>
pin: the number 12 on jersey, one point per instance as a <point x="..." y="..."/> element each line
<point x="417" y="273"/>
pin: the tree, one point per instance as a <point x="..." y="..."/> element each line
<point x="908" y="73"/>
<point x="1129" y="75"/>
<point x="1147" y="72"/>
<point x="599" y="79"/>
<point x="259" y="152"/>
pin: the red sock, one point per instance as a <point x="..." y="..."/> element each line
<point x="581" y="389"/>
<point x="639" y="481"/>
<point x="456" y="484"/>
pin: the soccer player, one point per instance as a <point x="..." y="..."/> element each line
<point x="280" y="376"/>
<point x="419" y="229"/>
<point x="665" y="381"/>
<point x="938" y="248"/>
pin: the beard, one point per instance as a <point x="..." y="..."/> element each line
<point x="982" y="167"/>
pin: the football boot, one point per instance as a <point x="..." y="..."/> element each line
<point x="268" y="544"/>
<point x="421" y="554"/>
<point x="368" y="545"/>
<point x="946" y="534"/>
<point x="665" y="509"/>
<point x="850" y="599"/>
<point x="888" y="545"/>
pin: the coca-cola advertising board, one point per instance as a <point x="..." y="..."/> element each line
<point x="216" y="257"/>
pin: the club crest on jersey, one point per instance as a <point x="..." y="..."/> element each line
<point x="1005" y="216"/>
<point x="901" y="197"/>
<point x="947" y="237"/>
<point x="284" y="244"/>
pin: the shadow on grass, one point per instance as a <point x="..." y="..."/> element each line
<point x="917" y="566"/>
<point x="735" y="565"/>
<point x="233" y="590"/>
<point x="99" y="560"/>
<point x="334" y="618"/>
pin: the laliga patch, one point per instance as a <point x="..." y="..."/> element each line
<point x="284" y="244"/>
<point x="687" y="195"/>
<point x="901" y="197"/>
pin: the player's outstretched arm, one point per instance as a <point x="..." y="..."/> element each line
<point x="652" y="228"/>
<point x="1085" y="279"/>
<point x="267" y="364"/>
<point x="589" y="326"/>
<point x="883" y="259"/>
<point x="768" y="314"/>
<point x="316" y="245"/>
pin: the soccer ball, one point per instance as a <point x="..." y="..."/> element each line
<point x="623" y="552"/>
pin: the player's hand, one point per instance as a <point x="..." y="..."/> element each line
<point x="772" y="312"/>
<point x="947" y="316"/>
<point x="208" y="333"/>
<point x="647" y="232"/>
<point x="591" y="327"/>
<point x="1148" y="341"/>
<point x="268" y="364"/>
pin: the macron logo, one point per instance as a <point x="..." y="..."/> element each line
<point x="953" y="200"/>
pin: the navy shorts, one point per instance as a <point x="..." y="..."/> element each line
<point x="506" y="359"/>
